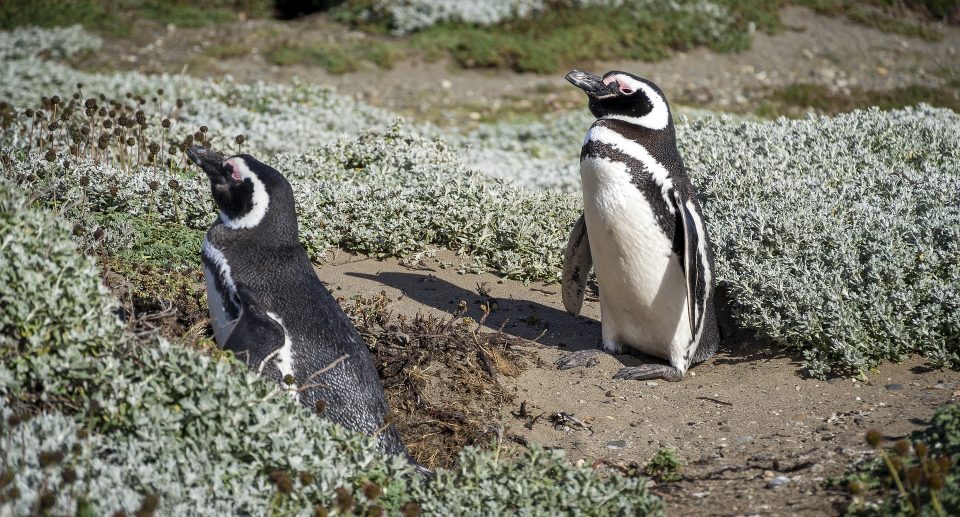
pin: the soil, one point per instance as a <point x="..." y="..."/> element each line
<point x="755" y="435"/>
<point x="738" y="421"/>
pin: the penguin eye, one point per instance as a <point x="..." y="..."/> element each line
<point x="622" y="86"/>
<point x="234" y="173"/>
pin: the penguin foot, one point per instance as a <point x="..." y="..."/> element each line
<point x="650" y="371"/>
<point x="584" y="358"/>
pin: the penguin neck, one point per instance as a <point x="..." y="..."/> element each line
<point x="639" y="133"/>
<point x="280" y="235"/>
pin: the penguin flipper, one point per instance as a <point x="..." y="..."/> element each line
<point x="691" y="260"/>
<point x="577" y="262"/>
<point x="255" y="338"/>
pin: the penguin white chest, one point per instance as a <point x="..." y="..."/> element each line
<point x="642" y="284"/>
<point x="221" y="292"/>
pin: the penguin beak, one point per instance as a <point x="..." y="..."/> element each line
<point x="591" y="84"/>
<point x="210" y="161"/>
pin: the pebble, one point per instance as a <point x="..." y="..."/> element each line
<point x="778" y="481"/>
<point x="651" y="383"/>
<point x="617" y="444"/>
<point x="743" y="440"/>
<point x="894" y="387"/>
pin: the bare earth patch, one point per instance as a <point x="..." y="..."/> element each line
<point x="754" y="434"/>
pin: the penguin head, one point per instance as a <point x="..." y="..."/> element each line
<point x="624" y="96"/>
<point x="249" y="193"/>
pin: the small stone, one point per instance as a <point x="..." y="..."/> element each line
<point x="944" y="385"/>
<point x="651" y="383"/>
<point x="617" y="444"/>
<point x="894" y="387"/>
<point x="882" y="71"/>
<point x="743" y="440"/>
<point x="816" y="468"/>
<point x="778" y="481"/>
<point x="446" y="84"/>
<point x="609" y="394"/>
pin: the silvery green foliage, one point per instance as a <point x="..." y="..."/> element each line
<point x="274" y="118"/>
<point x="539" y="480"/>
<point x="838" y="236"/>
<point x="57" y="42"/>
<point x="408" y="16"/>
<point x="201" y="433"/>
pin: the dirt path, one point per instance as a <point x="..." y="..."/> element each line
<point x="738" y="422"/>
<point x="828" y="51"/>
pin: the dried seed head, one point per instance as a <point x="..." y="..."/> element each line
<point x="131" y="141"/>
<point x="160" y="91"/>
<point x="320" y="405"/>
<point x="319" y="511"/>
<point x="165" y="123"/>
<point x="915" y="476"/>
<point x="240" y="139"/>
<point x="47" y="500"/>
<point x="411" y="509"/>
<point x="936" y="481"/>
<point x="921" y="449"/>
<point x="174" y="184"/>
<point x="53" y="126"/>
<point x="901" y="448"/>
<point x="78" y="230"/>
<point x="28" y="113"/>
<point x="50" y="156"/>
<point x="371" y="491"/>
<point x="84" y="180"/>
<point x="85" y="130"/>
<point x="856" y="487"/>
<point x="179" y="103"/>
<point x="289" y="379"/>
<point x="282" y="480"/>
<point x="112" y="113"/>
<point x="55" y="100"/>
<point x="98" y="234"/>
<point x="874" y="438"/>
<point x="149" y="505"/>
<point x="102" y="112"/>
<point x="172" y="149"/>
<point x="198" y="136"/>
<point x="307" y="478"/>
<point x="204" y="129"/>
<point x="154" y="147"/>
<point x="107" y="123"/>
<point x="14" y="420"/>
<point x="69" y="476"/>
<point x="90" y="103"/>
<point x="154" y="185"/>
<point x="344" y="499"/>
<point x="48" y="458"/>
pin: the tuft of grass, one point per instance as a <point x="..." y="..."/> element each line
<point x="892" y="22"/>
<point x="664" y="466"/>
<point x="227" y="51"/>
<point x="115" y="17"/>
<point x="797" y="99"/>
<point x="557" y="38"/>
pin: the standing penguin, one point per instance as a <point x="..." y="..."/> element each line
<point x="642" y="231"/>
<point x="269" y="308"/>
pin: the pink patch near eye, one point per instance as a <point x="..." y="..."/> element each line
<point x="234" y="169"/>
<point x="620" y="86"/>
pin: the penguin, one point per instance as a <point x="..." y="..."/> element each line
<point x="270" y="309"/>
<point x="642" y="232"/>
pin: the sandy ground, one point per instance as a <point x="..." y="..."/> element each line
<point x="741" y="422"/>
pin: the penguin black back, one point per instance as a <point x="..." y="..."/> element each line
<point x="268" y="306"/>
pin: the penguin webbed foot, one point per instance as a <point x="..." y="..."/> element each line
<point x="646" y="372"/>
<point x="584" y="358"/>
